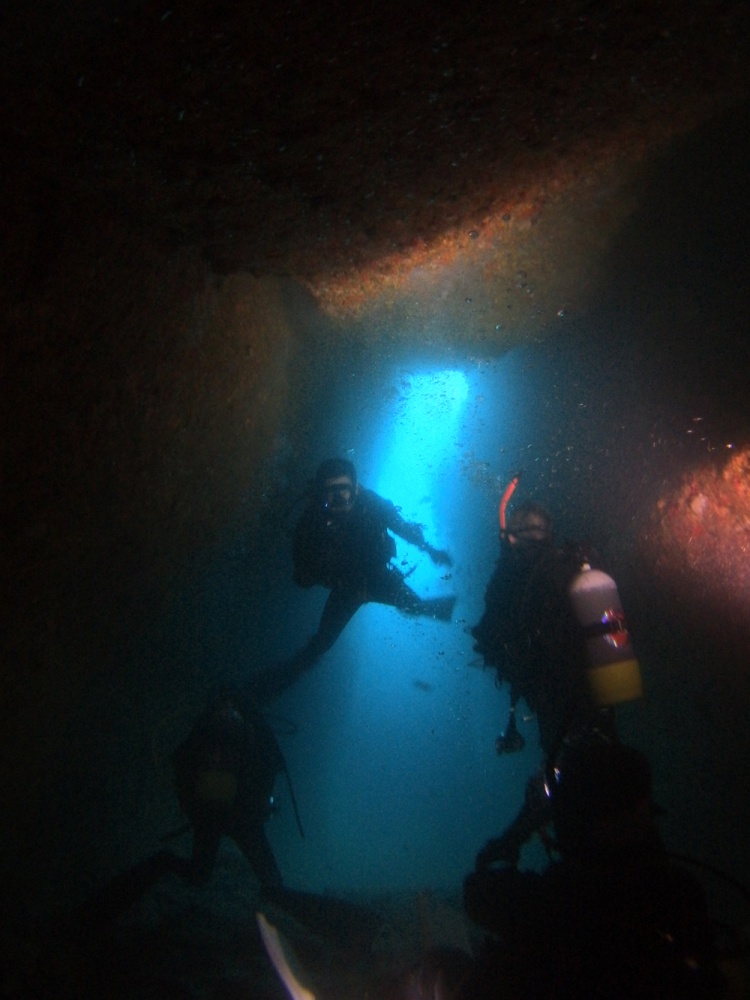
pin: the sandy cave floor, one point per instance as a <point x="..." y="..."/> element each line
<point x="189" y="943"/>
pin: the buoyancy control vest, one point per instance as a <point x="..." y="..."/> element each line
<point x="550" y="617"/>
<point x="338" y="550"/>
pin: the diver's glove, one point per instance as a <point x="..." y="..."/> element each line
<point x="439" y="556"/>
<point x="503" y="850"/>
<point x="511" y="741"/>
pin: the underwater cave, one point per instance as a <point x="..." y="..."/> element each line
<point x="239" y="242"/>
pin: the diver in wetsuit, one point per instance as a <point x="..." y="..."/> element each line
<point x="530" y="634"/>
<point x="224" y="774"/>
<point x="343" y="542"/>
<point x="612" y="916"/>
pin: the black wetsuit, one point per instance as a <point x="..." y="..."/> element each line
<point x="628" y="927"/>
<point x="224" y="775"/>
<point x="350" y="553"/>
<point x="528" y="632"/>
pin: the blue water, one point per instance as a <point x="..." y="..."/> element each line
<point x="390" y="739"/>
<point x="395" y="761"/>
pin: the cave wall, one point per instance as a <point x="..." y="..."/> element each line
<point x="154" y="410"/>
<point x="143" y="406"/>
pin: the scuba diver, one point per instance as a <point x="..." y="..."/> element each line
<point x="554" y="630"/>
<point x="343" y="542"/>
<point x="224" y="774"/>
<point x="612" y="916"/>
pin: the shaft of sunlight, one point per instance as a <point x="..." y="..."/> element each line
<point x="417" y="442"/>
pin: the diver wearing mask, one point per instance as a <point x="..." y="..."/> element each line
<point x="528" y="631"/>
<point x="344" y="542"/>
<point x="530" y="634"/>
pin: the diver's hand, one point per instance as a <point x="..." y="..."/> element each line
<point x="439" y="556"/>
<point x="511" y="740"/>
<point x="498" y="849"/>
<point x="509" y="743"/>
<point x="488" y="855"/>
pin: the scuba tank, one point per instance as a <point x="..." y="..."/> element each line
<point x="613" y="672"/>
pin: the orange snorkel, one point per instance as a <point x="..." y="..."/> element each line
<point x="504" y="502"/>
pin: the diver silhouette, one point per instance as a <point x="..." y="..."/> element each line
<point x="343" y="542"/>
<point x="531" y="633"/>
<point x="224" y="774"/>
<point x="612" y="916"/>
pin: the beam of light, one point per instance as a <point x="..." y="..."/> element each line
<point x="418" y="442"/>
<point x="399" y="722"/>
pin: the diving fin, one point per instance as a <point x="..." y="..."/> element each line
<point x="511" y="741"/>
<point x="282" y="958"/>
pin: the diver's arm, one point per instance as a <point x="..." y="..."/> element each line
<point x="306" y="551"/>
<point x="413" y="533"/>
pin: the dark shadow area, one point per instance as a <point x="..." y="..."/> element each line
<point x="685" y="274"/>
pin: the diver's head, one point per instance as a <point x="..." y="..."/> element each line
<point x="601" y="799"/>
<point x="336" y="485"/>
<point x="529" y="523"/>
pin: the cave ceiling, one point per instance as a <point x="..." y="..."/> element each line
<point x="343" y="144"/>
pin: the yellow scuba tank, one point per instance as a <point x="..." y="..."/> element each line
<point x="613" y="672"/>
